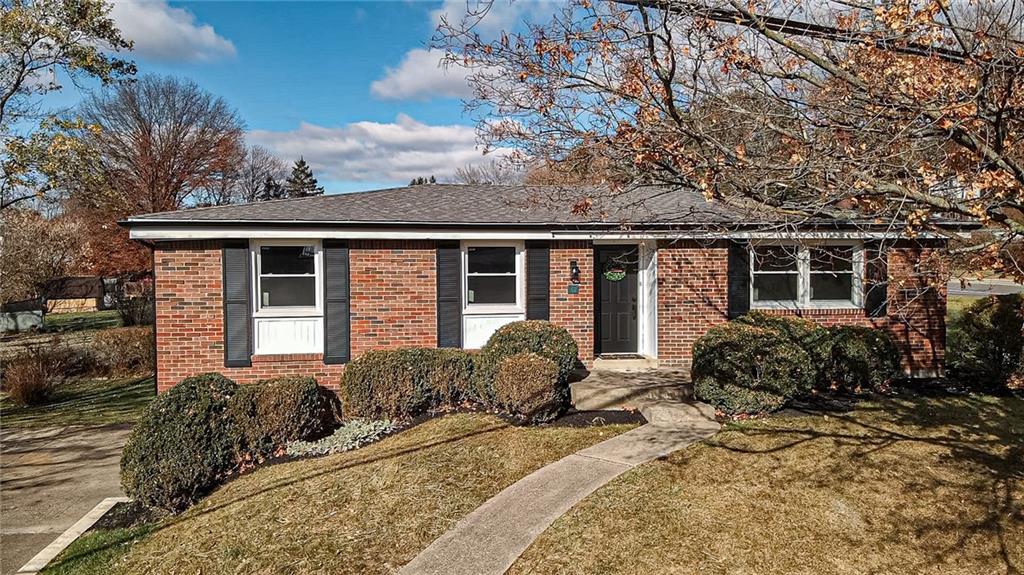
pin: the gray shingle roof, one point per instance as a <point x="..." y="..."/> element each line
<point x="456" y="204"/>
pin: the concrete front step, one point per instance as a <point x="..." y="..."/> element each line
<point x="617" y="390"/>
<point x="676" y="414"/>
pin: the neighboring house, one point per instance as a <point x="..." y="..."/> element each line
<point x="302" y="286"/>
<point x="74" y="294"/>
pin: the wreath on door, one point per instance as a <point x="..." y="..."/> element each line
<point x="614" y="272"/>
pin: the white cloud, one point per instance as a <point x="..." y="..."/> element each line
<point x="420" y="76"/>
<point x="374" y="152"/>
<point x="163" y="32"/>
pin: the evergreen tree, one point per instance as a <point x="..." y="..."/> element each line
<point x="271" y="190"/>
<point x="301" y="183"/>
<point x="421" y="181"/>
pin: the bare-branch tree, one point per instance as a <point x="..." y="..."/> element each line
<point x="259" y="165"/>
<point x="159" y="142"/>
<point x="899" y="115"/>
<point x="498" y="171"/>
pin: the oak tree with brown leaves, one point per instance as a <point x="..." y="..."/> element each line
<point x="902" y="113"/>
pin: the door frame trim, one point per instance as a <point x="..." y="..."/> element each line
<point x="645" y="320"/>
<point x="647" y="295"/>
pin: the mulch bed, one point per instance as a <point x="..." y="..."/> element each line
<point x="127" y="515"/>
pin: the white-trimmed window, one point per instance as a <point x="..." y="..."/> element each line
<point x="806" y="275"/>
<point x="493" y="277"/>
<point x="287" y="296"/>
<point x="287" y="277"/>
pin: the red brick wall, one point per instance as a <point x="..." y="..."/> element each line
<point x="691" y="298"/>
<point x="692" y="281"/>
<point x="393" y="287"/>
<point x="574" y="312"/>
<point x="392" y="302"/>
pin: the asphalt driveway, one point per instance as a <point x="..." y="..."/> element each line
<point x="49" y="478"/>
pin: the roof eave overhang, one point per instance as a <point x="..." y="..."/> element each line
<point x="149" y="229"/>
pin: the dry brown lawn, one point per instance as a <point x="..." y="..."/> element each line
<point x="365" y="511"/>
<point x="921" y="486"/>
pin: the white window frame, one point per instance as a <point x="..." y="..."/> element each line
<point x="287" y="311"/>
<point x="520" y="274"/>
<point x="803" y="276"/>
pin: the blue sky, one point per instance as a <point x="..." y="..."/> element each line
<point x="348" y="85"/>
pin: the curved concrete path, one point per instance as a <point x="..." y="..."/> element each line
<point x="494" y="535"/>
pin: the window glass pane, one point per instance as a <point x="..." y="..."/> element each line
<point x="775" y="258"/>
<point x="832" y="259"/>
<point x="279" y="292"/>
<point x="826" y="286"/>
<point x="491" y="289"/>
<point x="774" y="287"/>
<point x="287" y="260"/>
<point x="492" y="260"/>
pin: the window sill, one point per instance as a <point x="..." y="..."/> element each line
<point x="484" y="309"/>
<point x="840" y="306"/>
<point x="296" y="313"/>
<point x="281" y="357"/>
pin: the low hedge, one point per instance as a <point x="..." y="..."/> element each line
<point x="986" y="345"/>
<point x="741" y="368"/>
<point x="273" y="413"/>
<point x="533" y="336"/>
<point x="809" y="336"/>
<point x="182" y="445"/>
<point x="861" y="359"/>
<point x="207" y="427"/>
<point x="402" y="383"/>
<point x="526" y="386"/>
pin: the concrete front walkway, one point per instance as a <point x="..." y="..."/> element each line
<point x="493" y="536"/>
<point x="49" y="478"/>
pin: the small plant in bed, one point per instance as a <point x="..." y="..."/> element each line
<point x="352" y="434"/>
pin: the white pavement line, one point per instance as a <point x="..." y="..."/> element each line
<point x="43" y="558"/>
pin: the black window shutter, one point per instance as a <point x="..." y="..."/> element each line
<point x="739" y="278"/>
<point x="538" y="276"/>
<point x="337" y="322"/>
<point x="876" y="279"/>
<point x="237" y="306"/>
<point x="449" y="295"/>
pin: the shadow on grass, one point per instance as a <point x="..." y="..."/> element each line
<point x="85" y="555"/>
<point x="85" y="402"/>
<point x="81" y="321"/>
<point x="983" y="435"/>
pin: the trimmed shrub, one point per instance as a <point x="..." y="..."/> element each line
<point x="450" y="375"/>
<point x="33" y="377"/>
<point x="272" y="413"/>
<point x="533" y="336"/>
<point x="741" y="368"/>
<point x="809" y="336"/>
<point x="183" y="444"/>
<point x="401" y="383"/>
<point x="123" y="351"/>
<point x="351" y="435"/>
<point x="526" y="386"/>
<point x="863" y="358"/>
<point x="985" y="344"/>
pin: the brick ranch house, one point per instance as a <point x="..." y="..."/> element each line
<point x="301" y="286"/>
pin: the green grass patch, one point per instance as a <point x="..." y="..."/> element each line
<point x="82" y="320"/>
<point x="97" y="551"/>
<point x="84" y="402"/>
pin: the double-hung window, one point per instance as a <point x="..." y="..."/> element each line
<point x="492" y="276"/>
<point x="287" y="277"/>
<point x="288" y="310"/>
<point x="806" y="275"/>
